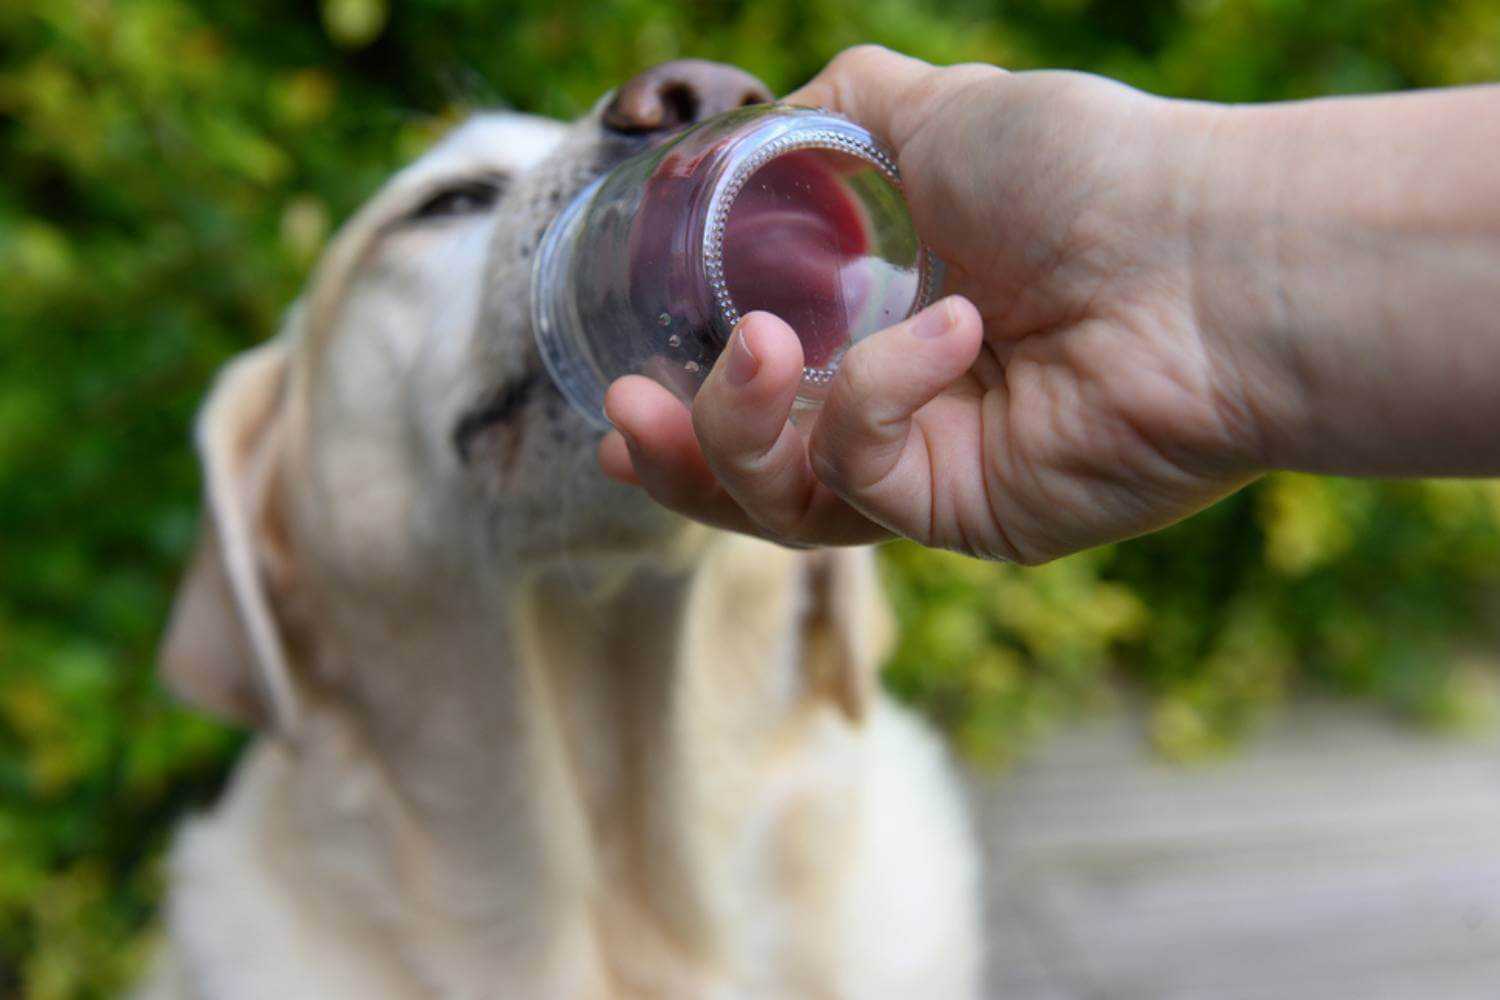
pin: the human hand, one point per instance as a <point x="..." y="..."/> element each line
<point x="1069" y="393"/>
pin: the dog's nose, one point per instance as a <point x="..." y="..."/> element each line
<point x="681" y="92"/>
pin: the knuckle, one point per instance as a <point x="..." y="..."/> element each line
<point x="829" y="470"/>
<point x="725" y="450"/>
<point x="864" y="56"/>
<point x="857" y="391"/>
<point x="707" y="426"/>
<point x="857" y="381"/>
<point x="720" y="424"/>
<point x="723" y="440"/>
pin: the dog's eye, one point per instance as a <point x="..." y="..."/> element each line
<point x="466" y="198"/>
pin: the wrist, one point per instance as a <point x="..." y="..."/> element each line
<point x="1240" y="239"/>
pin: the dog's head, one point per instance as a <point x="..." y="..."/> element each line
<point x="401" y="433"/>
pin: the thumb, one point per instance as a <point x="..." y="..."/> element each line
<point x="871" y="85"/>
<point x="860" y="443"/>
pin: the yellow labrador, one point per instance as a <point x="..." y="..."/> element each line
<point x="524" y="733"/>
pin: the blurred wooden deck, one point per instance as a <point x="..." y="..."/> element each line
<point x="1339" y="858"/>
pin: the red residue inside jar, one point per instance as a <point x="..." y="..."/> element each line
<point x="790" y="235"/>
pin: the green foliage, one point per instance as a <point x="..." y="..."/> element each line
<point x="172" y="167"/>
<point x="1360" y="589"/>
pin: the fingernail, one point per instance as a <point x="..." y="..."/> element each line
<point x="932" y="322"/>
<point x="742" y="364"/>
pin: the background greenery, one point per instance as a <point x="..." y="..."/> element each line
<point x="168" y="169"/>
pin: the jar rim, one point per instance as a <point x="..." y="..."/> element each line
<point x="813" y="128"/>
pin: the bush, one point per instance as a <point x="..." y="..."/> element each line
<point x="171" y="168"/>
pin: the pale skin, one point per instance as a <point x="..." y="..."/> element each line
<point x="1152" y="303"/>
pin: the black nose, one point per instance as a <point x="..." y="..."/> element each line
<point x="681" y="92"/>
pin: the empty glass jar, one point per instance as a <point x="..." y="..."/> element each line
<point x="792" y="210"/>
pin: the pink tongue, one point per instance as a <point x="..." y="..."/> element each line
<point x="790" y="233"/>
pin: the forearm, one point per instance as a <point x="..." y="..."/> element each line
<point x="1352" y="270"/>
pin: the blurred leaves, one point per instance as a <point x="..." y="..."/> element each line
<point x="173" y="167"/>
<point x="354" y="23"/>
<point x="996" y="652"/>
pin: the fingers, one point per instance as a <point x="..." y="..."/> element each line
<point x="653" y="446"/>
<point x="742" y="418"/>
<point x="614" y="459"/>
<point x="871" y="85"/>
<point x="861" y="438"/>
<point x="737" y="462"/>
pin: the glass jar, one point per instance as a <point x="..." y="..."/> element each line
<point x="792" y="210"/>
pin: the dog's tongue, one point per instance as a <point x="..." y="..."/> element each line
<point x="793" y="245"/>
<point x="789" y="239"/>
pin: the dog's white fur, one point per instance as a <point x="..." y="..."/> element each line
<point x="527" y="735"/>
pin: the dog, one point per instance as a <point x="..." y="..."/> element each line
<point x="523" y="733"/>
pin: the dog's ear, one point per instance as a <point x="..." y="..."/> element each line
<point x="846" y="627"/>
<point x="223" y="650"/>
